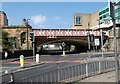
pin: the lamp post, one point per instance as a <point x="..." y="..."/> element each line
<point x="26" y="23"/>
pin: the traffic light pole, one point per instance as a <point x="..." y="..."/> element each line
<point x="115" y="53"/>
<point x="34" y="51"/>
<point x="101" y="42"/>
<point x="32" y="38"/>
<point x="89" y="44"/>
<point x="33" y="43"/>
<point x="112" y="14"/>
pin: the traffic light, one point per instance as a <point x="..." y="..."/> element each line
<point x="92" y="38"/>
<point x="32" y="36"/>
<point x="103" y="35"/>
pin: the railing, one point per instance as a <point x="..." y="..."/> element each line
<point x="69" y="73"/>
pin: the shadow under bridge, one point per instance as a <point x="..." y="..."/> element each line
<point x="71" y="45"/>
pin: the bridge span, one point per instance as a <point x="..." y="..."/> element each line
<point x="49" y="33"/>
<point x="76" y="37"/>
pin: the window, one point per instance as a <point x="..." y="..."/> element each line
<point x="100" y="17"/>
<point x="104" y="16"/>
<point x="107" y="9"/>
<point x="23" y="38"/>
<point x="104" y="11"/>
<point x="77" y="20"/>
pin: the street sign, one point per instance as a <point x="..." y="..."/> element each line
<point x="97" y="42"/>
<point x="63" y="44"/>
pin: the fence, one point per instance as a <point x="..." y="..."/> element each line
<point x="66" y="74"/>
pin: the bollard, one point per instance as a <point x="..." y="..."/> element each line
<point x="63" y="53"/>
<point x="37" y="58"/>
<point x="6" y="55"/>
<point x="21" y="60"/>
<point x="6" y="71"/>
<point x="86" y="69"/>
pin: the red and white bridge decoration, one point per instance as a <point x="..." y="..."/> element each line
<point x="65" y="32"/>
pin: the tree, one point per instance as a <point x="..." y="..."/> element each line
<point x="6" y="43"/>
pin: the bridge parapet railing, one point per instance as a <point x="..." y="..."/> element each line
<point x="72" y="73"/>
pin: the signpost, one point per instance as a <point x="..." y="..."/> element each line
<point x="63" y="45"/>
<point x="97" y="43"/>
<point x="101" y="41"/>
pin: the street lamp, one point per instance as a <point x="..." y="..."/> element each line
<point x="26" y="23"/>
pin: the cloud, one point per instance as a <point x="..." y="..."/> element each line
<point x="57" y="18"/>
<point x="38" y="19"/>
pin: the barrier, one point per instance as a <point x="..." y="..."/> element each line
<point x="66" y="74"/>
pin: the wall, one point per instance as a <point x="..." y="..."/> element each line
<point x="15" y="31"/>
<point x="86" y="18"/>
<point x="111" y="39"/>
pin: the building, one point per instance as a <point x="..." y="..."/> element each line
<point x="85" y="21"/>
<point x="104" y="13"/>
<point x="21" y="36"/>
<point x="105" y="22"/>
<point x="100" y="20"/>
<point x="3" y="19"/>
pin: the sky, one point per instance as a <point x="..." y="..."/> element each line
<point x="44" y="15"/>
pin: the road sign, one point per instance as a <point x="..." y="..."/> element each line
<point x="97" y="42"/>
<point x="63" y="44"/>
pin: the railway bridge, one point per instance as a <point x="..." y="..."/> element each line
<point x="76" y="37"/>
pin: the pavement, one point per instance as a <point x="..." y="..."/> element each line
<point x="14" y="64"/>
<point x="105" y="77"/>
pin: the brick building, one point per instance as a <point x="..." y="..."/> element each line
<point x="3" y="19"/>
